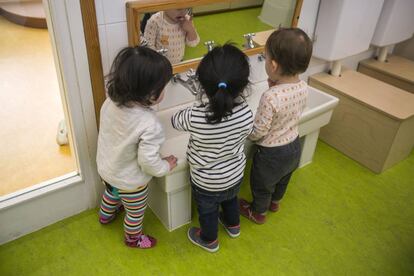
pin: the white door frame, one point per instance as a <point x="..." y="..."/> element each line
<point x="41" y="205"/>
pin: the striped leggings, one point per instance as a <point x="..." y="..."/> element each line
<point x="134" y="203"/>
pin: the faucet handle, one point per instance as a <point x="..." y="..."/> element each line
<point x="163" y="51"/>
<point x="209" y="44"/>
<point x="249" y="40"/>
<point x="191" y="74"/>
<point x="143" y="41"/>
<point x="261" y="57"/>
<point x="249" y="35"/>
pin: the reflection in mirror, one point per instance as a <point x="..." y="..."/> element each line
<point x="183" y="34"/>
<point x="170" y="32"/>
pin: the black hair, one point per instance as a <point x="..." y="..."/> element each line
<point x="228" y="66"/>
<point x="138" y="75"/>
<point x="144" y="21"/>
<point x="291" y="48"/>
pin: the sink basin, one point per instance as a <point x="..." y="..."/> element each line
<point x="317" y="114"/>
<point x="257" y="69"/>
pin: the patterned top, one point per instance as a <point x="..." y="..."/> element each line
<point x="159" y="33"/>
<point x="278" y="113"/>
<point x="216" y="151"/>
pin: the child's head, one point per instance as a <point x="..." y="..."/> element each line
<point x="223" y="74"/>
<point x="176" y="15"/>
<point x="288" y="52"/>
<point x="138" y="75"/>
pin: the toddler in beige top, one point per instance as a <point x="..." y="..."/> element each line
<point x="275" y="130"/>
<point x="172" y="30"/>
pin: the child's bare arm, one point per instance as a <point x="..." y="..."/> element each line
<point x="192" y="38"/>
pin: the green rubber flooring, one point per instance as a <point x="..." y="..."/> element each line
<point x="337" y="218"/>
<point x="225" y="27"/>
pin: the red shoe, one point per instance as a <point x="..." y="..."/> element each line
<point x="140" y="241"/>
<point x="246" y="211"/>
<point x="274" y="206"/>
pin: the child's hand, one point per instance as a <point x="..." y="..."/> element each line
<point x="187" y="24"/>
<point x="271" y="82"/>
<point x="172" y="161"/>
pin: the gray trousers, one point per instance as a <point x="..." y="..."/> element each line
<point x="271" y="172"/>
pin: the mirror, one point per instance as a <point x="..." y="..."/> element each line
<point x="182" y="30"/>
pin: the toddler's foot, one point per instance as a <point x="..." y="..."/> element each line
<point x="233" y="231"/>
<point x="274" y="206"/>
<point x="140" y="241"/>
<point x="103" y="220"/>
<point x="194" y="236"/>
<point x="246" y="211"/>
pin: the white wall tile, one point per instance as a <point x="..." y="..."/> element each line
<point x="114" y="11"/>
<point x="99" y="12"/>
<point x="308" y="14"/>
<point x="175" y="94"/>
<point x="103" y="43"/>
<point x="117" y="38"/>
<point x="353" y="61"/>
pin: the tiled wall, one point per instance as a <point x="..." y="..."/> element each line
<point x="112" y="27"/>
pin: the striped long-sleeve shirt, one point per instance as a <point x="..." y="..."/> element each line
<point x="215" y="151"/>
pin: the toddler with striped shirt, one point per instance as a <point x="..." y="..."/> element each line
<point x="218" y="127"/>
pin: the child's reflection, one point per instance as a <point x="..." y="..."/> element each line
<point x="172" y="30"/>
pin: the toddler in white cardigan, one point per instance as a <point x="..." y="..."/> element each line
<point x="130" y="137"/>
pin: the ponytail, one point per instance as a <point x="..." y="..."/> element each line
<point x="227" y="63"/>
<point x="220" y="106"/>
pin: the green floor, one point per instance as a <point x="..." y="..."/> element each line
<point x="218" y="27"/>
<point x="337" y="218"/>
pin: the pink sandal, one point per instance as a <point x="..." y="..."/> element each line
<point x="140" y="241"/>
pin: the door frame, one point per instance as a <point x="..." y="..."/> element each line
<point x="41" y="205"/>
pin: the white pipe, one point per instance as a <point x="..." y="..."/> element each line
<point x="336" y="68"/>
<point x="382" y="55"/>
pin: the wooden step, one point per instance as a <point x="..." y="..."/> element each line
<point x="397" y="71"/>
<point x="30" y="14"/>
<point x="373" y="122"/>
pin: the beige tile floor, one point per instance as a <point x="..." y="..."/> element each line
<point x="30" y="110"/>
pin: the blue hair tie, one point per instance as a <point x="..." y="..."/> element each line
<point x="222" y="85"/>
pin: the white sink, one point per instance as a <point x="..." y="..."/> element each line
<point x="257" y="69"/>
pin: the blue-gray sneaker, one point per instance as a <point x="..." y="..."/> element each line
<point x="194" y="236"/>
<point x="233" y="231"/>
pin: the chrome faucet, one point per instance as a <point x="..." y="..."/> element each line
<point x="191" y="82"/>
<point x="209" y="44"/>
<point x="163" y="51"/>
<point x="143" y="41"/>
<point x="261" y="57"/>
<point x="249" y="40"/>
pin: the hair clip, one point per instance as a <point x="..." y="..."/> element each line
<point x="222" y="85"/>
